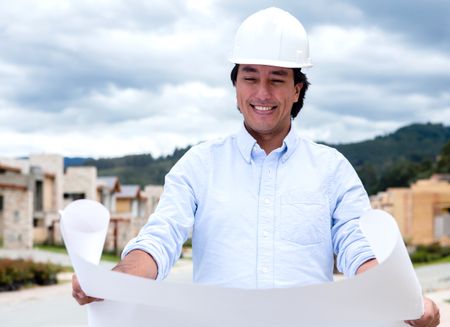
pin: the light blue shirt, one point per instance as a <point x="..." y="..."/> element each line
<point x="259" y="221"/>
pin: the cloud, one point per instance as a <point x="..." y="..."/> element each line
<point x="336" y="127"/>
<point x="423" y="23"/>
<point x="149" y="76"/>
<point x="370" y="73"/>
<point x="69" y="50"/>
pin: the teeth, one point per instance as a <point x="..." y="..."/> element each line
<point x="262" y="108"/>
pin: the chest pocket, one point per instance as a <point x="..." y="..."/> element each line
<point x="304" y="218"/>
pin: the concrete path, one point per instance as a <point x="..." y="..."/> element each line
<point x="53" y="306"/>
<point x="42" y="256"/>
<point x="434" y="278"/>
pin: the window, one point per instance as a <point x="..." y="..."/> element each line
<point x="16" y="216"/>
<point x="38" y="196"/>
<point x="74" y="196"/>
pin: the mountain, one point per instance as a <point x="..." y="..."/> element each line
<point x="395" y="159"/>
<point x="399" y="158"/>
<point x="140" y="169"/>
<point x="416" y="143"/>
<point x="74" y="161"/>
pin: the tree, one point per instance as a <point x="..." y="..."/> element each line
<point x="443" y="161"/>
<point x="369" y="178"/>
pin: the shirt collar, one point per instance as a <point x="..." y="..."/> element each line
<point x="246" y="143"/>
<point x="290" y="141"/>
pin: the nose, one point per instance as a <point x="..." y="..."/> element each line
<point x="263" y="91"/>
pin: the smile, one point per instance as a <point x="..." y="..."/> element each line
<point x="263" y="108"/>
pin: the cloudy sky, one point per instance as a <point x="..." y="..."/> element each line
<point x="108" y="77"/>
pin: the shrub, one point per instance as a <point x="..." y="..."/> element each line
<point x="15" y="274"/>
<point x="429" y="253"/>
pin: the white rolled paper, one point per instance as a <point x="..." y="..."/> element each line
<point x="383" y="296"/>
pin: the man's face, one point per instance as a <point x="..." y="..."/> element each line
<point x="265" y="95"/>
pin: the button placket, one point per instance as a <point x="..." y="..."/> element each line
<point x="266" y="223"/>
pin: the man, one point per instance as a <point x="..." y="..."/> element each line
<point x="267" y="207"/>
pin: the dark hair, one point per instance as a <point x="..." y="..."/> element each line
<point x="299" y="77"/>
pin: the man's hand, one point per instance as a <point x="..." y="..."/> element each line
<point x="137" y="262"/>
<point x="367" y="265"/>
<point x="431" y="316"/>
<point x="78" y="293"/>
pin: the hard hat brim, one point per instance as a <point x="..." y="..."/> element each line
<point x="276" y="63"/>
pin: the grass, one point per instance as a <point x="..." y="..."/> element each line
<point x="61" y="249"/>
<point x="116" y="258"/>
<point x="435" y="262"/>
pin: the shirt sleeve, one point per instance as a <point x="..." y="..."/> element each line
<point x="169" y="226"/>
<point x="350" y="200"/>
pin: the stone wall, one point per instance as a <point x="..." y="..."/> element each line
<point x="52" y="164"/>
<point x="81" y="180"/>
<point x="153" y="194"/>
<point x="17" y="218"/>
<point x="22" y="164"/>
<point x="119" y="233"/>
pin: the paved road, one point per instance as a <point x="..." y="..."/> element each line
<point x="434" y="278"/>
<point x="53" y="306"/>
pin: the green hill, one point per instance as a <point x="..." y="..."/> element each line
<point x="399" y="158"/>
<point x="140" y="169"/>
<point x="415" y="143"/>
<point x="395" y="159"/>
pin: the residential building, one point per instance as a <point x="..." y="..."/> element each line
<point x="153" y="194"/>
<point x="80" y="183"/>
<point x="34" y="204"/>
<point x="130" y="208"/>
<point x="422" y="211"/>
<point x="16" y="208"/>
<point x="107" y="188"/>
<point x="46" y="171"/>
<point x="34" y="189"/>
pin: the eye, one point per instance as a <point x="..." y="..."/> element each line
<point x="277" y="81"/>
<point x="249" y="79"/>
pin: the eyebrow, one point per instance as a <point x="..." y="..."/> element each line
<point x="279" y="72"/>
<point x="249" y="69"/>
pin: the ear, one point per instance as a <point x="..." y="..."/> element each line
<point x="298" y="87"/>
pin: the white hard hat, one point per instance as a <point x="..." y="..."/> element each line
<point x="271" y="37"/>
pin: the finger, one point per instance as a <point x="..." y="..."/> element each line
<point x="75" y="284"/>
<point x="79" y="295"/>
<point x="82" y="298"/>
<point x="433" y="313"/>
<point x="77" y="292"/>
<point x="437" y="319"/>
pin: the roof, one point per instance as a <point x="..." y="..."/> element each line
<point x="13" y="186"/>
<point x="129" y="191"/>
<point x="49" y="175"/>
<point x="10" y="168"/>
<point x="110" y="182"/>
<point x="441" y="177"/>
<point x="143" y="195"/>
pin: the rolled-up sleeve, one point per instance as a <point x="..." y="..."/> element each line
<point x="168" y="227"/>
<point x="350" y="200"/>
